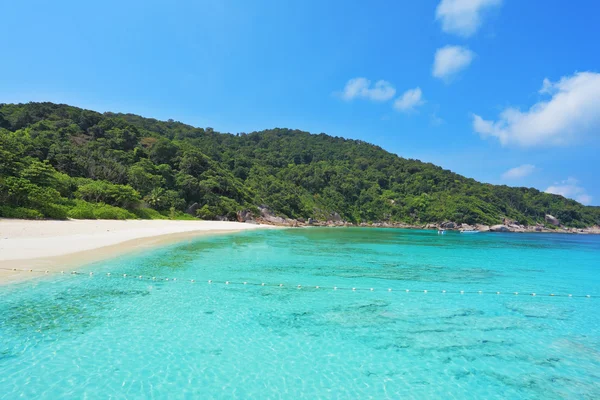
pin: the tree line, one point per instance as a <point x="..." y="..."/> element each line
<point x="59" y="161"/>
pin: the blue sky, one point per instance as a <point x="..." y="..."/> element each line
<point x="504" y="91"/>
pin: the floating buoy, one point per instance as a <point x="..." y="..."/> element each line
<point x="353" y="288"/>
<point x="209" y="281"/>
<point x="480" y="292"/>
<point x="140" y="277"/>
<point x="443" y="291"/>
<point x="389" y="290"/>
<point x="262" y="284"/>
<point x="316" y="287"/>
<point x="166" y="279"/>
<point x="227" y="282"/>
<point x="570" y="295"/>
<point x="463" y="292"/>
<point x="371" y="289"/>
<point x="407" y="290"/>
<point x="91" y="273"/>
<point x="516" y="292"/>
<point x="174" y="279"/>
<point x="190" y="281"/>
<point x="245" y="283"/>
<point x="551" y="294"/>
<point x="108" y="274"/>
<point x="497" y="292"/>
<point x="533" y="294"/>
<point x="124" y="275"/>
<point x="335" y="288"/>
<point x="587" y="295"/>
<point x="281" y="284"/>
<point x="154" y="278"/>
<point x="424" y="291"/>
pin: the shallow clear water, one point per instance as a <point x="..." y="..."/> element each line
<point x="113" y="337"/>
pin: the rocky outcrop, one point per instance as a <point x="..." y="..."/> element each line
<point x="447" y="225"/>
<point x="552" y="220"/>
<point x="192" y="209"/>
<point x="335" y="217"/>
<point x="274" y="220"/>
<point x="245" y="216"/>
<point x="499" y="228"/>
<point x="467" y="227"/>
<point x="335" y="220"/>
<point x="482" y="228"/>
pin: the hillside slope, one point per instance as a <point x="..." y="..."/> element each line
<point x="58" y="161"/>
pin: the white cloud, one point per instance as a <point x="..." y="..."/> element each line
<point x="570" y="188"/>
<point x="463" y="17"/>
<point x="546" y="87"/>
<point x="450" y="60"/>
<point x="362" y="88"/>
<point x="409" y="100"/>
<point x="571" y="112"/>
<point x="519" y="172"/>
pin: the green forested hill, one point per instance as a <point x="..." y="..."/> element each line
<point x="58" y="161"/>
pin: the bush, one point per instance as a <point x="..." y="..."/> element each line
<point x="84" y="210"/>
<point x="148" y="213"/>
<point x="108" y="193"/>
<point x="105" y="211"/>
<point x="19" y="212"/>
<point x="180" y="216"/>
<point x="55" y="211"/>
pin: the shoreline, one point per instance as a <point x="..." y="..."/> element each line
<point x="67" y="245"/>
<point x="500" y="228"/>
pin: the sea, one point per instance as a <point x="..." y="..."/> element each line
<point x="314" y="313"/>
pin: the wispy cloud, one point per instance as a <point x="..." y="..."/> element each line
<point x="571" y="112"/>
<point x="463" y="17"/>
<point x="362" y="88"/>
<point x="435" y="120"/>
<point x="519" y="172"/>
<point x="570" y="188"/>
<point x="409" y="100"/>
<point x="450" y="60"/>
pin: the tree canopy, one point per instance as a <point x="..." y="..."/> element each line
<point x="59" y="161"/>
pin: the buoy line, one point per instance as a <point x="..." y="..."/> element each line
<point x="282" y="285"/>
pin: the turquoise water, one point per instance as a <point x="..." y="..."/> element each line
<point x="76" y="336"/>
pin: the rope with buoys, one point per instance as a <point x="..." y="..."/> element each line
<point x="281" y="285"/>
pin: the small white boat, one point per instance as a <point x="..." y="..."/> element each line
<point x="469" y="231"/>
<point x="441" y="232"/>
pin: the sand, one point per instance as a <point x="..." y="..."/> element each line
<point x="59" y="245"/>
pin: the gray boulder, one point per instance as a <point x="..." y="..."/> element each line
<point x="499" y="228"/>
<point x="335" y="217"/>
<point x="275" y="220"/>
<point x="192" y="209"/>
<point x="245" y="216"/>
<point x="483" y="228"/>
<point x="552" y="220"/>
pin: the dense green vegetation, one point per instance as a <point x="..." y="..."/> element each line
<point x="58" y="161"/>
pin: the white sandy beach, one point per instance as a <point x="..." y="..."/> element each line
<point x="57" y="244"/>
